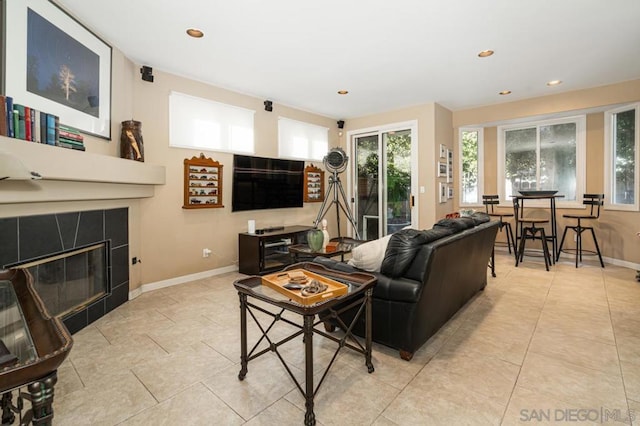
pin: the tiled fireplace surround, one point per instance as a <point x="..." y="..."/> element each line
<point x="29" y="237"/>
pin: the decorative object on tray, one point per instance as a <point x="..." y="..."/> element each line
<point x="313" y="184"/>
<point x="304" y="287"/>
<point x="533" y="193"/>
<point x="131" y="145"/>
<point x="73" y="81"/>
<point x="202" y="183"/>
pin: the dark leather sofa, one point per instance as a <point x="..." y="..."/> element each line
<point x="425" y="278"/>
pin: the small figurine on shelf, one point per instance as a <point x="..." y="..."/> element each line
<point x="131" y="141"/>
<point x="326" y="234"/>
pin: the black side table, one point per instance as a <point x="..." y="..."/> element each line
<point x="360" y="289"/>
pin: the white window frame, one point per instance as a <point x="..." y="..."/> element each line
<point x="609" y="158"/>
<point x="227" y="118"/>
<point x="480" y="131"/>
<point x="309" y="138"/>
<point x="581" y="144"/>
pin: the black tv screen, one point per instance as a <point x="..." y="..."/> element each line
<point x="266" y="183"/>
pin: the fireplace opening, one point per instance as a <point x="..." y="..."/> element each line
<point x="71" y="280"/>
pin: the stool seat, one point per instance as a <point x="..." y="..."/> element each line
<point x="578" y="216"/>
<point x="534" y="220"/>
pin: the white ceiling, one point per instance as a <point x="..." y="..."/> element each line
<point x="388" y="54"/>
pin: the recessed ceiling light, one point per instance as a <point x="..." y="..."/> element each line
<point x="554" y="82"/>
<point x="505" y="92"/>
<point x="342" y="92"/>
<point x="486" y="53"/>
<point x="195" y="33"/>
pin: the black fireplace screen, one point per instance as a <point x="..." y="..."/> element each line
<point x="71" y="280"/>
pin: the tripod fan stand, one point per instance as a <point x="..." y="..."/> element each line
<point x="336" y="162"/>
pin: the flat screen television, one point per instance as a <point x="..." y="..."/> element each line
<point x="266" y="183"/>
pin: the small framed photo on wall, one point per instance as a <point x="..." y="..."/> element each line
<point x="443" y="151"/>
<point x="443" y="192"/>
<point x="450" y="192"/>
<point x="449" y="166"/>
<point x="442" y="169"/>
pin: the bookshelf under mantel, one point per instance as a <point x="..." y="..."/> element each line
<point x="75" y="175"/>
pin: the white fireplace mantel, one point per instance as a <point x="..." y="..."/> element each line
<point x="69" y="175"/>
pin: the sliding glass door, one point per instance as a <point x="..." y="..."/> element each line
<point x="383" y="181"/>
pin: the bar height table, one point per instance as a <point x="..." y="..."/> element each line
<point x="553" y="236"/>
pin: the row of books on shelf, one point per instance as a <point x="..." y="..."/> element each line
<point x="22" y="122"/>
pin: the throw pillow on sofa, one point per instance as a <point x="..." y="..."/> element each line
<point x="369" y="256"/>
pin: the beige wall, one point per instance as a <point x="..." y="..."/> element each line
<point x="434" y="127"/>
<point x="172" y="237"/>
<point x="615" y="229"/>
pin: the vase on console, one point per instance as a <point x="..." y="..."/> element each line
<point x="315" y="239"/>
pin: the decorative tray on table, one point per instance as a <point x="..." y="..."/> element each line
<point x="304" y="287"/>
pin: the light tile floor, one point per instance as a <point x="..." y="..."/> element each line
<point x="534" y="347"/>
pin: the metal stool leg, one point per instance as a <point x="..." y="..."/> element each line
<point x="597" y="247"/>
<point x="564" y="234"/>
<point x="545" y="248"/>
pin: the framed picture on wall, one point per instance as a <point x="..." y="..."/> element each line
<point x="442" y="169"/>
<point x="449" y="166"/>
<point x="443" y="151"/>
<point x="65" y="69"/>
<point x="443" y="192"/>
<point x="450" y="191"/>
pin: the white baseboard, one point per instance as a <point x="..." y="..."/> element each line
<point x="180" y="280"/>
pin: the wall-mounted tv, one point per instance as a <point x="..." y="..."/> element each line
<point x="266" y="183"/>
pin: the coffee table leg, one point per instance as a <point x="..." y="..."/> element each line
<point x="243" y="337"/>
<point x="368" y="332"/>
<point x="309" y="417"/>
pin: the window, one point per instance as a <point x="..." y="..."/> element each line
<point x="199" y="123"/>
<point x="302" y="141"/>
<point x="471" y="166"/>
<point x="621" y="157"/>
<point x="543" y="156"/>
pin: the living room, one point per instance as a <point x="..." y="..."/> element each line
<point x="167" y="241"/>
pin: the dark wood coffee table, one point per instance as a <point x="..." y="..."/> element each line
<point x="360" y="288"/>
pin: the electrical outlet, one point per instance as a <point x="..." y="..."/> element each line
<point x="206" y="252"/>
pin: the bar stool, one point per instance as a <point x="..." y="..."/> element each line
<point x="594" y="201"/>
<point x="489" y="202"/>
<point x="530" y="233"/>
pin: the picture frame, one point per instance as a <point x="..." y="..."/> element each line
<point x="442" y="169"/>
<point x="450" y="192"/>
<point x="76" y="90"/>
<point x="443" y="192"/>
<point x="443" y="151"/>
<point x="449" y="166"/>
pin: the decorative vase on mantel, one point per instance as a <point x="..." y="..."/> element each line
<point x="131" y="146"/>
<point x="315" y="238"/>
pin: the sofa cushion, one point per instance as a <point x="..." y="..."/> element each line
<point x="403" y="247"/>
<point x="458" y="224"/>
<point x="369" y="256"/>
